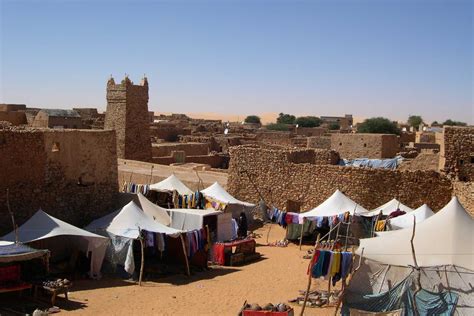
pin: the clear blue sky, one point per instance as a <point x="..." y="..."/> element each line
<point x="369" y="58"/>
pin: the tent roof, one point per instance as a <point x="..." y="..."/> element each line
<point x="42" y="225"/>
<point x="404" y="221"/>
<point x="159" y="214"/>
<point x="217" y="192"/>
<point x="128" y="220"/>
<point x="170" y="184"/>
<point x="445" y="238"/>
<point x="336" y="204"/>
<point x="389" y="207"/>
<point x="202" y="213"/>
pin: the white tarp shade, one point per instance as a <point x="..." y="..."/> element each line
<point x="171" y="184"/>
<point x="389" y="207"/>
<point x="42" y="226"/>
<point x="446" y="238"/>
<point x="189" y="219"/>
<point x="159" y="214"/>
<point x="405" y="221"/>
<point x="217" y="192"/>
<point x="129" y="221"/>
<point x="336" y="204"/>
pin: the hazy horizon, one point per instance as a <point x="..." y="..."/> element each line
<point x="238" y="58"/>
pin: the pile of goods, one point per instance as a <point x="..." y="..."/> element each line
<point x="317" y="299"/>
<point x="268" y="309"/>
<point x="57" y="284"/>
<point x="279" y="243"/>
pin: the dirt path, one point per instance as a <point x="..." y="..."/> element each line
<point x="221" y="291"/>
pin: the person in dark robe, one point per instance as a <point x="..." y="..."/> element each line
<point x="243" y="227"/>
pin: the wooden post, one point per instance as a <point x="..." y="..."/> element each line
<point x="353" y="273"/>
<point x="188" y="272"/>
<point x="302" y="230"/>
<point x="15" y="228"/>
<point x="142" y="244"/>
<point x="309" y="277"/>
<point x="418" y="281"/>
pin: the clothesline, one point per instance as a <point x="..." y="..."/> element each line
<point x="332" y="265"/>
<point x="130" y="187"/>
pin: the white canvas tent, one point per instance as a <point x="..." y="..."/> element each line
<point x="444" y="248"/>
<point x="218" y="193"/>
<point x="446" y="238"/>
<point x="123" y="226"/>
<point x="389" y="207"/>
<point x="42" y="226"/>
<point x="336" y="204"/>
<point x="159" y="214"/>
<point x="170" y="184"/>
<point x="405" y="221"/>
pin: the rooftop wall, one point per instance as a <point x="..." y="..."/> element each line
<point x="279" y="179"/>
<point x="365" y="145"/>
<point x="457" y="153"/>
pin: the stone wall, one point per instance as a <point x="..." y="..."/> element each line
<point x="310" y="131"/>
<point x="127" y="114"/>
<point x="360" y="145"/>
<point x="425" y="137"/>
<point x="465" y="192"/>
<point x="191" y="149"/>
<point x="70" y="174"/>
<point x="321" y="142"/>
<point x="15" y="118"/>
<point x="280" y="180"/>
<point x="457" y="154"/>
<point x="274" y="137"/>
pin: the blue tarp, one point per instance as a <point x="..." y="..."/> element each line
<point x="19" y="252"/>
<point x="401" y="297"/>
<point x="391" y="163"/>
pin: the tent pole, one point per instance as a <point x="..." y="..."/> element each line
<point x="341" y="297"/>
<point x="302" y="229"/>
<point x="15" y="227"/>
<point x="188" y="273"/>
<point x="418" y="274"/>
<point x="309" y="277"/>
<point x="142" y="244"/>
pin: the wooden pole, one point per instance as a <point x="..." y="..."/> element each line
<point x="341" y="297"/>
<point x="188" y="272"/>
<point x="308" y="287"/>
<point x="302" y="230"/>
<point x="418" y="274"/>
<point x="142" y="244"/>
<point x="15" y="228"/>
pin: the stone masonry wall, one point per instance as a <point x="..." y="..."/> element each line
<point x="127" y="114"/>
<point x="377" y="146"/>
<point x="465" y="192"/>
<point x="69" y="174"/>
<point x="191" y="149"/>
<point x="457" y="153"/>
<point x="280" y="180"/>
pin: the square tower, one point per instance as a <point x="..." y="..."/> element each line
<point x="127" y="114"/>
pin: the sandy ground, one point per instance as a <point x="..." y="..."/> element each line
<point x="221" y="291"/>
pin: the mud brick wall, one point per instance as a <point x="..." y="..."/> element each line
<point x="279" y="178"/>
<point x="457" y="153"/>
<point x="70" y="174"/>
<point x="376" y="146"/>
<point x="322" y="142"/>
<point x="191" y="149"/>
<point x="127" y="114"/>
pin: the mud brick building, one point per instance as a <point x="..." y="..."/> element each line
<point x="127" y="114"/>
<point x="360" y="145"/>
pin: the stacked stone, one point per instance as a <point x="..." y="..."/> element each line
<point x="458" y="153"/>
<point x="280" y="178"/>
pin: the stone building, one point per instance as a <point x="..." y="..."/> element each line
<point x="360" y="145"/>
<point x="299" y="176"/>
<point x="344" y="122"/>
<point x="457" y="153"/>
<point x="71" y="174"/>
<point x="127" y="114"/>
<point x="91" y="118"/>
<point x="57" y="118"/>
<point x="13" y="113"/>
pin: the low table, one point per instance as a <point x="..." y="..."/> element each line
<point x="53" y="291"/>
<point x="244" y="251"/>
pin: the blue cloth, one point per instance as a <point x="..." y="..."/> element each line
<point x="345" y="263"/>
<point x="15" y="249"/>
<point x="317" y="270"/>
<point x="373" y="163"/>
<point x="401" y="297"/>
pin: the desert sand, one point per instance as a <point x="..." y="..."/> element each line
<point x="221" y="291"/>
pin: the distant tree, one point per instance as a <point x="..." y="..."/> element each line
<point x="334" y="126"/>
<point x="253" y="119"/>
<point x="308" y="121"/>
<point x="278" y="127"/>
<point x="450" y="122"/>
<point x="286" y="118"/>
<point x="378" y="125"/>
<point x="414" y="120"/>
<point x="435" y="123"/>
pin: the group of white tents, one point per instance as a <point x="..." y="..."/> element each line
<point x="443" y="247"/>
<point x="112" y="236"/>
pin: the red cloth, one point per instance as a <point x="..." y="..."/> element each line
<point x="397" y="213"/>
<point x="311" y="264"/>
<point x="218" y="251"/>
<point x="289" y="218"/>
